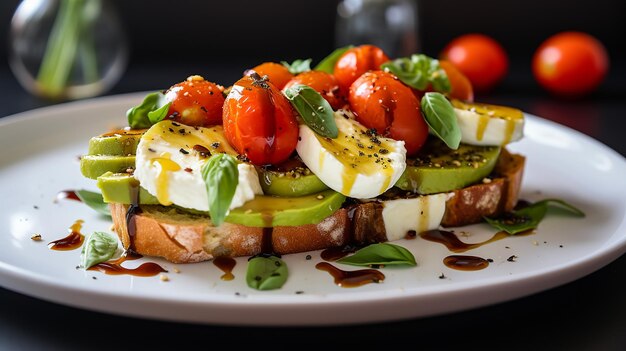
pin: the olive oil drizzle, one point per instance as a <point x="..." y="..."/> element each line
<point x="164" y="165"/>
<point x="71" y="242"/>
<point x="483" y="121"/>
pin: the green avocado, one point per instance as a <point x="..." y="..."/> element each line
<point x="295" y="182"/>
<point x="272" y="211"/>
<point x="262" y="211"/>
<point x="437" y="168"/>
<point x="121" y="142"/>
<point x="117" y="187"/>
<point x="93" y="166"/>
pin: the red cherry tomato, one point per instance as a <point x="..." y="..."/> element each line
<point x="324" y="83"/>
<point x="380" y="101"/>
<point x="460" y="86"/>
<point x="278" y="74"/>
<point x="259" y="121"/>
<point x="482" y="59"/>
<point x="196" y="102"/>
<point x="356" y="61"/>
<point x="570" y="63"/>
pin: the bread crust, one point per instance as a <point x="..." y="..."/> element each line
<point x="184" y="239"/>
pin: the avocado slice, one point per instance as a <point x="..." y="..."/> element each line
<point x="291" y="178"/>
<point x="93" y="166"/>
<point x="121" y="142"/>
<point x="272" y="211"/>
<point x="117" y="187"/>
<point x="262" y="211"/>
<point x="437" y="168"/>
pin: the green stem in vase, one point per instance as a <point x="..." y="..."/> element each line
<point x="61" y="50"/>
<point x="88" y="58"/>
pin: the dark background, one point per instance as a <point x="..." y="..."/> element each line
<point x="172" y="39"/>
<point x="184" y="36"/>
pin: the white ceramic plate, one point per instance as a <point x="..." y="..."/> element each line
<point x="39" y="158"/>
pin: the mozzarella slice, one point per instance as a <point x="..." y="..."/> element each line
<point x="169" y="161"/>
<point x="484" y="124"/>
<point x="357" y="163"/>
<point x="417" y="214"/>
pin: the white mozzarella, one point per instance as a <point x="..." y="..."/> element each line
<point x="483" y="124"/>
<point x="357" y="163"/>
<point x="419" y="214"/>
<point x="168" y="167"/>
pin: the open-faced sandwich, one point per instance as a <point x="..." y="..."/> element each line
<point x="359" y="150"/>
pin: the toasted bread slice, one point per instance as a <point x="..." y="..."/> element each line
<point x="182" y="237"/>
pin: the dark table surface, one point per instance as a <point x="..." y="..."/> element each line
<point x="587" y="314"/>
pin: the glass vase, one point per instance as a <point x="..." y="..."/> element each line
<point x="67" y="49"/>
<point x="389" y="24"/>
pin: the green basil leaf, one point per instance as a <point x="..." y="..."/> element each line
<point x="314" y="109"/>
<point x="529" y="217"/>
<point x="380" y="254"/>
<point x="94" y="200"/>
<point x="138" y="116"/>
<point x="441" y="119"/>
<point x="298" y="66"/>
<point x="159" y="114"/>
<point x="99" y="247"/>
<point x="419" y="71"/>
<point x="328" y="63"/>
<point x="266" y="273"/>
<point x="221" y="178"/>
<point x="566" y="207"/>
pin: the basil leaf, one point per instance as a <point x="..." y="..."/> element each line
<point x="94" y="200"/>
<point x="138" y="116"/>
<point x="529" y="217"/>
<point x="568" y="208"/>
<point x="159" y="114"/>
<point x="298" y="66"/>
<point x="221" y="178"/>
<point x="266" y="273"/>
<point x="314" y="109"/>
<point x="419" y="71"/>
<point x="99" y="247"/>
<point x="328" y="63"/>
<point x="440" y="117"/>
<point x="380" y="254"/>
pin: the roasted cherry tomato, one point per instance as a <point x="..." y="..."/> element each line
<point x="278" y="74"/>
<point x="382" y="102"/>
<point x="570" y="63"/>
<point x="482" y="59"/>
<point x="196" y="102"/>
<point x="324" y="83"/>
<point x="356" y="61"/>
<point x="259" y="121"/>
<point x="460" y="86"/>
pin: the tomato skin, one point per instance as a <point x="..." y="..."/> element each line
<point x="570" y="63"/>
<point x="482" y="59"/>
<point x="195" y="102"/>
<point x="380" y="101"/>
<point x="259" y="121"/>
<point x="278" y="74"/>
<point x="461" y="87"/>
<point x="356" y="61"/>
<point x="324" y="83"/>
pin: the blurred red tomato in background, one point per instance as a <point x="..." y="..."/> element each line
<point x="570" y="63"/>
<point x="482" y="59"/>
